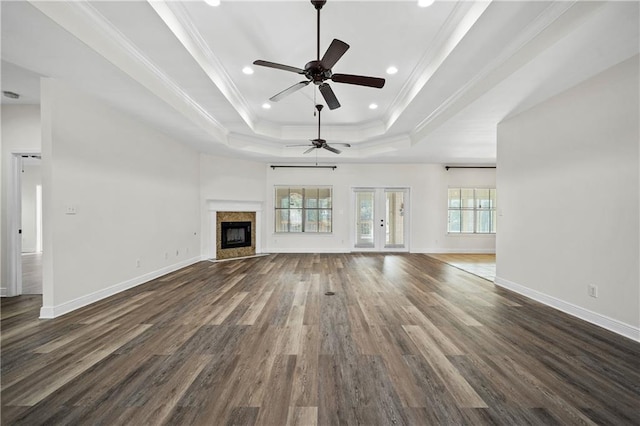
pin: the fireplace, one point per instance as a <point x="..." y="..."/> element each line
<point x="234" y="211"/>
<point x="235" y="234"/>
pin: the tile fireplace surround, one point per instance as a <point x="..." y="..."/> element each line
<point x="218" y="211"/>
<point x="229" y="253"/>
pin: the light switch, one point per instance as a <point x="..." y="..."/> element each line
<point x="71" y="209"/>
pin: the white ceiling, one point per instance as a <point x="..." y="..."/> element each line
<point x="463" y="67"/>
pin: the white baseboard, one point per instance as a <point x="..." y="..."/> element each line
<point x="600" y="320"/>
<point x="48" y="312"/>
<point x="307" y="250"/>
<point x="441" y="250"/>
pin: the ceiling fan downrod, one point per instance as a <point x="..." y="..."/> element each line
<point x="318" y="5"/>
<point x="319" y="108"/>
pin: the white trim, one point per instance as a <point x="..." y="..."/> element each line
<point x="48" y="312"/>
<point x="87" y="24"/>
<point x="176" y="18"/>
<point x="595" y="318"/>
<point x="379" y="201"/>
<point x="440" y="250"/>
<point x="308" y="250"/>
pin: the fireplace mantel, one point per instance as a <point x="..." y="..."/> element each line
<point x="215" y="206"/>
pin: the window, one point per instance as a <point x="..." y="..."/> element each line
<point x="472" y="211"/>
<point x="303" y="209"/>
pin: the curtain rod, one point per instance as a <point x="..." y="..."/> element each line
<point x="303" y="167"/>
<point x="469" y="167"/>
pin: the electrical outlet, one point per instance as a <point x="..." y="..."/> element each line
<point x="593" y="290"/>
<point x="177" y="252"/>
<point x="137" y="263"/>
<point x="166" y="254"/>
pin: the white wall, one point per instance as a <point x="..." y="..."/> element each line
<point x="20" y="134"/>
<point x="428" y="184"/>
<point x="135" y="192"/>
<point x="230" y="180"/>
<point x="31" y="178"/>
<point x="569" y="197"/>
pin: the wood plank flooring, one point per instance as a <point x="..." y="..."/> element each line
<point x="480" y="264"/>
<point x="31" y="273"/>
<point x="406" y="339"/>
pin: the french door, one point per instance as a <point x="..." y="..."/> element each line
<point x="381" y="219"/>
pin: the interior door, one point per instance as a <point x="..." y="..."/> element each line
<point x="381" y="219"/>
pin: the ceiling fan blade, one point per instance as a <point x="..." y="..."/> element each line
<point x="335" y="51"/>
<point x="278" y="66"/>
<point x="332" y="149"/>
<point x="359" y="80"/>
<point x="309" y="150"/>
<point x="298" y="145"/>
<point x="329" y="96"/>
<point x="289" y="90"/>
<point x="341" y="144"/>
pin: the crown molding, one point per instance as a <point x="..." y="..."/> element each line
<point x="341" y="133"/>
<point x="459" y="22"/>
<point x="88" y="25"/>
<point x="176" y="18"/>
<point x="536" y="37"/>
<point x="262" y="146"/>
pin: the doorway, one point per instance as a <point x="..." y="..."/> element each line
<point x="381" y="219"/>
<point x="25" y="225"/>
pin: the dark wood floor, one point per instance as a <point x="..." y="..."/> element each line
<point x="406" y="339"/>
<point x="32" y="273"/>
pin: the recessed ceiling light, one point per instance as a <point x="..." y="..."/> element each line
<point x="213" y="3"/>
<point x="425" y="3"/>
<point x="247" y="70"/>
<point x="392" y="70"/>
<point x="373" y="106"/>
<point x="266" y="105"/>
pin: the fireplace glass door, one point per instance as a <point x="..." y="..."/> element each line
<point x="381" y="218"/>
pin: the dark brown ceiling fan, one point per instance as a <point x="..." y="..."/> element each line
<point x="319" y="70"/>
<point x="319" y="142"/>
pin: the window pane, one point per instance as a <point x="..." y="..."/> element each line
<point x="311" y="221"/>
<point x="483" y="221"/>
<point x="493" y="198"/>
<point x="454" y="220"/>
<point x="311" y="198"/>
<point x="295" y="220"/>
<point x="324" y="220"/>
<point x="364" y="219"/>
<point x="282" y="198"/>
<point x="282" y="220"/>
<point x="395" y="218"/>
<point x="324" y="198"/>
<point x="467" y="221"/>
<point x="302" y="209"/>
<point x="295" y="198"/>
<point x="466" y="196"/>
<point x="482" y="199"/>
<point x="454" y="198"/>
